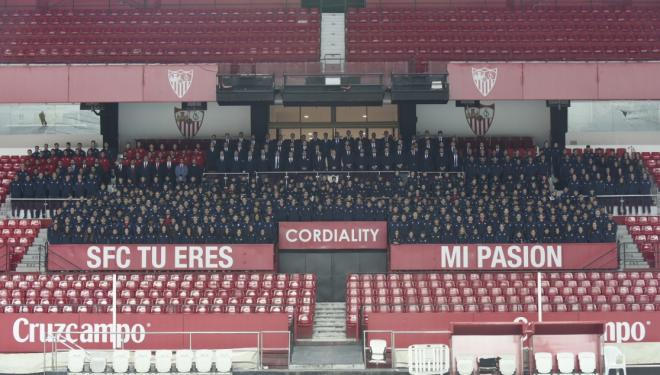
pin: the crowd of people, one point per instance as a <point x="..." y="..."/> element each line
<point x="430" y="189"/>
<point x="55" y="173"/>
<point x="419" y="208"/>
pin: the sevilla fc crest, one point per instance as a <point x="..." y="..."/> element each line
<point x="188" y="122"/>
<point x="480" y="117"/>
<point x="485" y="79"/>
<point x="180" y="81"/>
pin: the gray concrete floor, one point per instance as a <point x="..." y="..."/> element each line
<point x="327" y="355"/>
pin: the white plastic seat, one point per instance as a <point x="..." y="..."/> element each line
<point x="587" y="361"/>
<point x="97" y="363"/>
<point x="223" y="361"/>
<point x="543" y="362"/>
<point x="565" y="362"/>
<point x="465" y="365"/>
<point x="183" y="360"/>
<point x="120" y="361"/>
<point x="377" y="350"/>
<point x="142" y="361"/>
<point x="203" y="360"/>
<point x="507" y="365"/>
<point x="614" y="359"/>
<point x="76" y="360"/>
<point x="163" y="360"/>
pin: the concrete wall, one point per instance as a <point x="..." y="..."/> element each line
<point x="512" y="118"/>
<point x="150" y="120"/>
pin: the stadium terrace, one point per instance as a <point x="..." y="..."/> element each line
<point x="366" y="187"/>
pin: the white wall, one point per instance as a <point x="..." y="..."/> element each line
<point x="20" y="126"/>
<point x="156" y="120"/>
<point x="619" y="122"/>
<point x="512" y="118"/>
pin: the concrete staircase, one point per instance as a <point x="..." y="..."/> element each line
<point x="333" y="42"/>
<point x="629" y="253"/>
<point x="5" y="209"/>
<point x="328" y="349"/>
<point x="35" y="258"/>
<point x="330" y="323"/>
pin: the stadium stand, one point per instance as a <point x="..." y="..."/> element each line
<point x="498" y="292"/>
<point x="488" y="34"/>
<point x="194" y="293"/>
<point x="363" y="239"/>
<point x="159" y="36"/>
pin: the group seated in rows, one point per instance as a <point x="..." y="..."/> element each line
<point x="78" y="173"/>
<point x="419" y="207"/>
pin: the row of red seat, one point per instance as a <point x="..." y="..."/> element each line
<point x="89" y="301"/>
<point x="302" y="314"/>
<point x="151" y="277"/>
<point x="294" y="294"/>
<point x="537" y="11"/>
<point x="9" y="165"/>
<point x="178" y="54"/>
<point x="34" y="291"/>
<point x="160" y="36"/>
<point x="645" y="231"/>
<point x="512" y="276"/>
<point x="16" y="236"/>
<point x="525" y="35"/>
<point x="158" y="13"/>
<point x="652" y="162"/>
<point x="499" y="292"/>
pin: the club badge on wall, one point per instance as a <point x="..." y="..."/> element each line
<point x="480" y="118"/>
<point x="484" y="79"/>
<point x="188" y="121"/>
<point x="180" y="81"/>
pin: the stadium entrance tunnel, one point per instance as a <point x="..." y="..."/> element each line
<point x="332" y="268"/>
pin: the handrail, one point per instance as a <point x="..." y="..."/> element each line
<point x="61" y="337"/>
<point x="392" y="345"/>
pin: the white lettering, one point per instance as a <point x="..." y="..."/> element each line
<point x="483" y="254"/>
<point x="451" y="258"/>
<point x="93" y="261"/>
<point x="225" y="255"/>
<point x="25" y="332"/>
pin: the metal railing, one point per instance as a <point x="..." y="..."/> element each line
<point x="37" y="208"/>
<point x="630" y="204"/>
<point x="348" y="79"/>
<point x="637" y="255"/>
<point x="391" y="343"/>
<point x="64" y="338"/>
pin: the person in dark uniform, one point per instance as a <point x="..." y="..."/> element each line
<point x="319" y="163"/>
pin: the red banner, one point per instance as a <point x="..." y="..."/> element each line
<point x="205" y="257"/>
<point x="333" y="235"/>
<point x="626" y="327"/>
<point x="26" y="333"/>
<point x="569" y="256"/>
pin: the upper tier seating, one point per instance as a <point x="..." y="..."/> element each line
<point x="500" y="292"/>
<point x="159" y="36"/>
<point x="242" y="293"/>
<point x="482" y="34"/>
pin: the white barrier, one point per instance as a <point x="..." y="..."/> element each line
<point x="428" y="359"/>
